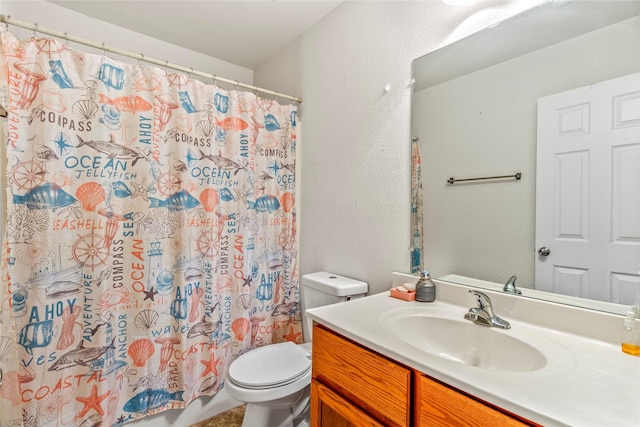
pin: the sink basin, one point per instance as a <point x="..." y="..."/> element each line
<point x="440" y="334"/>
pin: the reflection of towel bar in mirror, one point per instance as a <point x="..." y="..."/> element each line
<point x="453" y="181"/>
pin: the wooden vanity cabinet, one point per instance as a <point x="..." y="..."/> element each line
<point x="354" y="386"/>
<point x="438" y="405"/>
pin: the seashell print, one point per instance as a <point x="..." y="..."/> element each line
<point x="121" y="190"/>
<point x="205" y="128"/>
<point x="140" y="351"/>
<point x="85" y="109"/>
<point x="287" y="201"/>
<point x="271" y="123"/>
<point x="11" y="388"/>
<point x="146" y="319"/>
<point x="244" y="301"/>
<point x="26" y="374"/>
<point x="90" y="195"/>
<point x="226" y="195"/>
<point x="209" y="199"/>
<point x="6" y="347"/>
<point x="240" y="328"/>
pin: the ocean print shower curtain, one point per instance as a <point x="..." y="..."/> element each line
<point x="150" y="235"/>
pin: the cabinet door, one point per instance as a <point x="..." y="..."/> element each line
<point x="379" y="386"/>
<point x="329" y="409"/>
<point x="440" y="406"/>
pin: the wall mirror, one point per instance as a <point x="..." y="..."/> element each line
<point x="552" y="94"/>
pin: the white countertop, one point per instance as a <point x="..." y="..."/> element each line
<point x="586" y="382"/>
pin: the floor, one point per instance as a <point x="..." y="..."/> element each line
<point x="231" y="418"/>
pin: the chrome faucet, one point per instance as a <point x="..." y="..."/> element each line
<point x="510" y="286"/>
<point x="483" y="313"/>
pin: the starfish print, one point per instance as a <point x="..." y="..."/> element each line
<point x="292" y="336"/>
<point x="247" y="281"/>
<point x="241" y="195"/>
<point x="140" y="189"/>
<point x="150" y="294"/>
<point x="210" y="365"/>
<point x="92" y="402"/>
<point x="121" y="419"/>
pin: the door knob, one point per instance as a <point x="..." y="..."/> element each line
<point x="544" y="251"/>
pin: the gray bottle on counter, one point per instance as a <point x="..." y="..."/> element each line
<point x="425" y="288"/>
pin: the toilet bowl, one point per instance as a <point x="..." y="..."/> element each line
<point x="274" y="380"/>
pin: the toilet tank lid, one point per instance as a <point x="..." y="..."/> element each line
<point x="334" y="284"/>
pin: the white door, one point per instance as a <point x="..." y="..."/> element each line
<point x="588" y="192"/>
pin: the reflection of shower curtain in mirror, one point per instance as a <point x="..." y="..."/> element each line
<point x="417" y="233"/>
<point x="150" y="235"/>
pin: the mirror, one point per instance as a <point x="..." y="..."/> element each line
<point x="475" y="113"/>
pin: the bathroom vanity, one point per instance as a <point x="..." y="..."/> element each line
<point x="353" y="385"/>
<point x="384" y="361"/>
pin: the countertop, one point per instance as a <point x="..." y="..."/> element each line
<point x="586" y="382"/>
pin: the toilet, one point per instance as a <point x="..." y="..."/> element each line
<point x="275" y="380"/>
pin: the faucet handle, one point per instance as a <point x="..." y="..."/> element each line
<point x="484" y="303"/>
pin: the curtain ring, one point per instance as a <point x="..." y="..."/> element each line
<point x="6" y="22"/>
<point x="237" y="85"/>
<point x="190" y="74"/>
<point x="66" y="39"/>
<point x="35" y="24"/>
<point x="166" y="67"/>
<point x="104" y="51"/>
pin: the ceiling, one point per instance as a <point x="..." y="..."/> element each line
<point x="241" y="32"/>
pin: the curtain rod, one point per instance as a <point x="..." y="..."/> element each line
<point x="36" y="28"/>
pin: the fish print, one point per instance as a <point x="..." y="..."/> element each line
<point x="46" y="196"/>
<point x="179" y="201"/>
<point x="62" y="288"/>
<point x="232" y="123"/>
<point x="271" y="123"/>
<point x="111" y="149"/>
<point x="266" y="203"/>
<point x="80" y="356"/>
<point x="222" y="162"/>
<point x="111" y="76"/>
<point x="221" y="102"/>
<point x="203" y="328"/>
<point x="150" y="399"/>
<point x="90" y="222"/>
<point x="127" y="104"/>
<point x="286" y="309"/>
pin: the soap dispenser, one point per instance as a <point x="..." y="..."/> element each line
<point x="631" y="334"/>
<point x="425" y="288"/>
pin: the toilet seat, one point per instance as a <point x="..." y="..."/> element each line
<point x="270" y="366"/>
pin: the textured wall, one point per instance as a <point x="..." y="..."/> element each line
<point x="354" y="157"/>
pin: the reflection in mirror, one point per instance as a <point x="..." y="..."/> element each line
<point x="553" y="94"/>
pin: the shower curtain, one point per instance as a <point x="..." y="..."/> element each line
<point x="150" y="235"/>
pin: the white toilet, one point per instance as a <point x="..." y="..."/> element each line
<point x="275" y="380"/>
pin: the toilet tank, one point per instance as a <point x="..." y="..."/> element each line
<point x="323" y="288"/>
